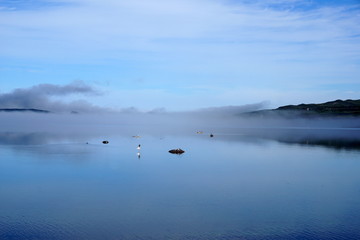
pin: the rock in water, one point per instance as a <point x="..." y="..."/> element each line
<point x="176" y="151"/>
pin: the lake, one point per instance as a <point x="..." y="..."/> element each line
<point x="242" y="184"/>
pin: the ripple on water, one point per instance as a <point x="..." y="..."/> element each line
<point x="11" y="229"/>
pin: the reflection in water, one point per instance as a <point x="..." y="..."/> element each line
<point x="41" y="138"/>
<point x="338" y="139"/>
<point x="228" y="187"/>
<point x="12" y="138"/>
<point x="338" y="144"/>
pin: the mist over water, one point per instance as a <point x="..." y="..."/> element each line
<point x="182" y="123"/>
<point x="207" y="117"/>
<point x="255" y="179"/>
<point x="82" y="117"/>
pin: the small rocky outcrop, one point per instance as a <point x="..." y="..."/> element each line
<point x="176" y="151"/>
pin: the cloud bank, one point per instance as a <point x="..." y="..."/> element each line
<point x="43" y="96"/>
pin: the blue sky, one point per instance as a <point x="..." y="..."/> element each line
<point x="184" y="54"/>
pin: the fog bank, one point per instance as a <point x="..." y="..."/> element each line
<point x="160" y="122"/>
<point x="50" y="97"/>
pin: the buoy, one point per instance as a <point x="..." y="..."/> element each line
<point x="211" y="135"/>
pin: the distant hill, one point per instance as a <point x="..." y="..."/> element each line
<point x="23" y="110"/>
<point x="336" y="108"/>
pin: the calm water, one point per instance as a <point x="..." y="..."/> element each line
<point x="232" y="186"/>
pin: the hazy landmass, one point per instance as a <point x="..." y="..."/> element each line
<point x="23" y="110"/>
<point x="338" y="108"/>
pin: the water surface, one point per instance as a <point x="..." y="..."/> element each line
<point x="252" y="185"/>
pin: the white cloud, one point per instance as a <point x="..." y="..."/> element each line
<point x="229" y="44"/>
<point x="92" y="26"/>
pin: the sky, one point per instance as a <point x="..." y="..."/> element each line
<point x="178" y="54"/>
